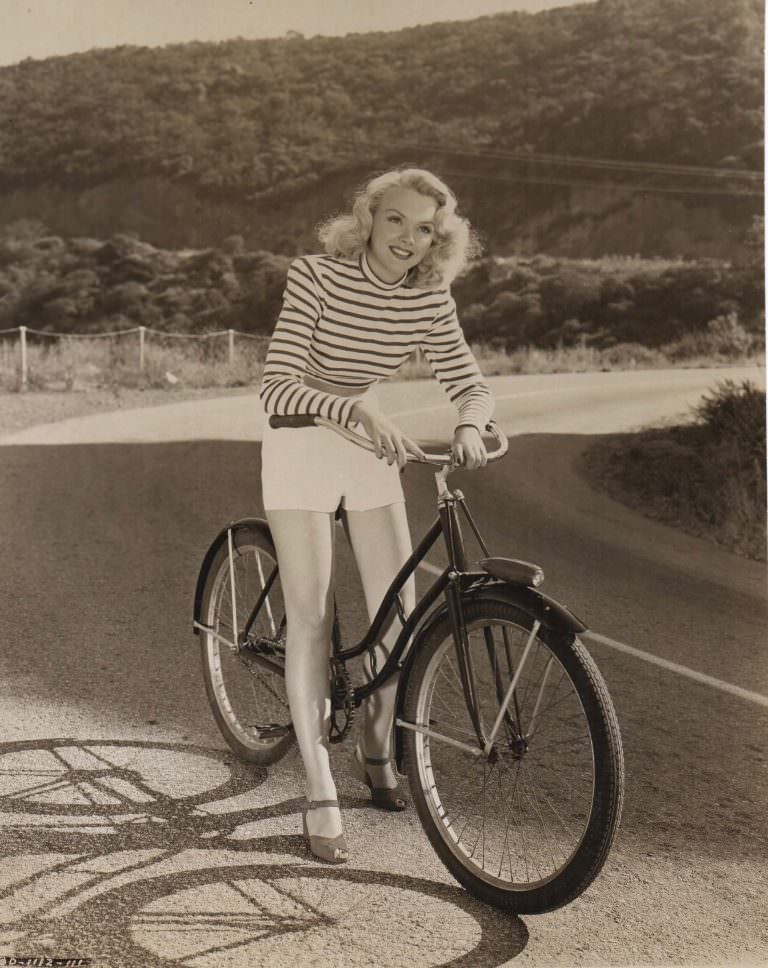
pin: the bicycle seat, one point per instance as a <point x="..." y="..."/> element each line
<point x="513" y="570"/>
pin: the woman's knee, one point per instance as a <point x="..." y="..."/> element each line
<point x="309" y="620"/>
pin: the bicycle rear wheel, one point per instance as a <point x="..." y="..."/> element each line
<point x="243" y="656"/>
<point x="528" y="828"/>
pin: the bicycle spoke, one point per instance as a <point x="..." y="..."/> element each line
<point x="267" y="604"/>
<point x="540" y="693"/>
<point x="546" y="835"/>
<point x="555" y="811"/>
<point x="469" y="814"/>
<point x="454" y="683"/>
<point x="436" y="724"/>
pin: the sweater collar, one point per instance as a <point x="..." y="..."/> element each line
<point x="371" y="276"/>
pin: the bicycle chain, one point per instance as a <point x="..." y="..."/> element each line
<point x="258" y="674"/>
<point x="342" y="706"/>
<point x="342" y="695"/>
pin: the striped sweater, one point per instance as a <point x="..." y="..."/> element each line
<point x="341" y="324"/>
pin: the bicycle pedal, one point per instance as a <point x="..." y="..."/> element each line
<point x="271" y="730"/>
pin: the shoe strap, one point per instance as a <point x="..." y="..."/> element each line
<point x="372" y="760"/>
<point x="313" y="804"/>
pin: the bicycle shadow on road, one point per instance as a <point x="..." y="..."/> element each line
<point x="114" y="854"/>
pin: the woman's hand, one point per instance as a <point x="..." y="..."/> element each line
<point x="468" y="448"/>
<point x="388" y="439"/>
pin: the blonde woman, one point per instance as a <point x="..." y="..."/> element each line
<point x="349" y="319"/>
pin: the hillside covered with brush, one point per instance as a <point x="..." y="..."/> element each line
<point x="188" y="144"/>
<point x="81" y="284"/>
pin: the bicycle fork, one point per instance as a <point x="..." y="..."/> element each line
<point x="447" y="503"/>
<point x="467" y="676"/>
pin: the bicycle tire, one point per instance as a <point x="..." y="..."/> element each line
<point x="528" y="829"/>
<point x="248" y="701"/>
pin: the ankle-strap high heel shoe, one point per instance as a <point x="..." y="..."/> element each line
<point x="333" y="850"/>
<point x="385" y="798"/>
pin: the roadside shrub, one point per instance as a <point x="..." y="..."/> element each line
<point x="707" y="477"/>
<point x="736" y="413"/>
<point x="728" y="335"/>
<point x="627" y="356"/>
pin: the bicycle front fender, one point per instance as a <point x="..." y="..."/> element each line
<point x="535" y="604"/>
<point x="244" y="525"/>
<point x="539" y="606"/>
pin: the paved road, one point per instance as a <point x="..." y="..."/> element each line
<point x="132" y="837"/>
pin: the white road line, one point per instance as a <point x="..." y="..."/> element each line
<point x="681" y="670"/>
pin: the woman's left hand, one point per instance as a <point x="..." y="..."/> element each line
<point x="468" y="448"/>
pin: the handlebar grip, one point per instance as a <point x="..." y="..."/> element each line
<point x="295" y="420"/>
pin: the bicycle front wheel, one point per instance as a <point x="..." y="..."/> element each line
<point x="528" y="827"/>
<point x="243" y="646"/>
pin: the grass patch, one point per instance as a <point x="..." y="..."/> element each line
<point x="174" y="361"/>
<point x="169" y="361"/>
<point x="589" y="359"/>
<point x="707" y="477"/>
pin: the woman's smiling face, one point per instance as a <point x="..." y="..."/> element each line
<point x="402" y="233"/>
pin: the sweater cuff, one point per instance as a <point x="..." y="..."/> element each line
<point x="345" y="416"/>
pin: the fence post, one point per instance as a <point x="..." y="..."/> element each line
<point x="24" y="374"/>
<point x="231" y="333"/>
<point x="142" y="330"/>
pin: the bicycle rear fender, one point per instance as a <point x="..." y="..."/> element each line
<point x="258" y="525"/>
<point x="531" y="601"/>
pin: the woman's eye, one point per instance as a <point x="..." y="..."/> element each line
<point x="425" y="229"/>
<point x="394" y="218"/>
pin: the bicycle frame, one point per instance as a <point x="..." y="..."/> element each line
<point x="451" y="582"/>
<point x="455" y="581"/>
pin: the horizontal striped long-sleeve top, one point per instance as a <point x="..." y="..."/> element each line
<point x="341" y="324"/>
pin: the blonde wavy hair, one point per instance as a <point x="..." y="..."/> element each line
<point x="454" y="242"/>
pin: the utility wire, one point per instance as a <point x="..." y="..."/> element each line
<point x="570" y="160"/>
<point x="614" y="186"/>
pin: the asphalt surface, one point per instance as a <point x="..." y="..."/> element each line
<point x="131" y="836"/>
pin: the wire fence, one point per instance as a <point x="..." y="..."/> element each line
<point x="32" y="358"/>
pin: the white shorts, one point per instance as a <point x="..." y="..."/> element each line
<point x="314" y="469"/>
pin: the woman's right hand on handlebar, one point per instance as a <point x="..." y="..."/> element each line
<point x="388" y="440"/>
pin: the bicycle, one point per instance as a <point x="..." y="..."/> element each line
<point x="503" y="725"/>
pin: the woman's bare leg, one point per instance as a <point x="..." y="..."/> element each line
<point x="304" y="544"/>
<point x="381" y="543"/>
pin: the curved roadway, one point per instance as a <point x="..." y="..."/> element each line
<point x="104" y="520"/>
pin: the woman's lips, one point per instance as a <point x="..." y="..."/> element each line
<point x="399" y="253"/>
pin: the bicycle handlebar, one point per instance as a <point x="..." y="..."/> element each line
<point x="444" y="459"/>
